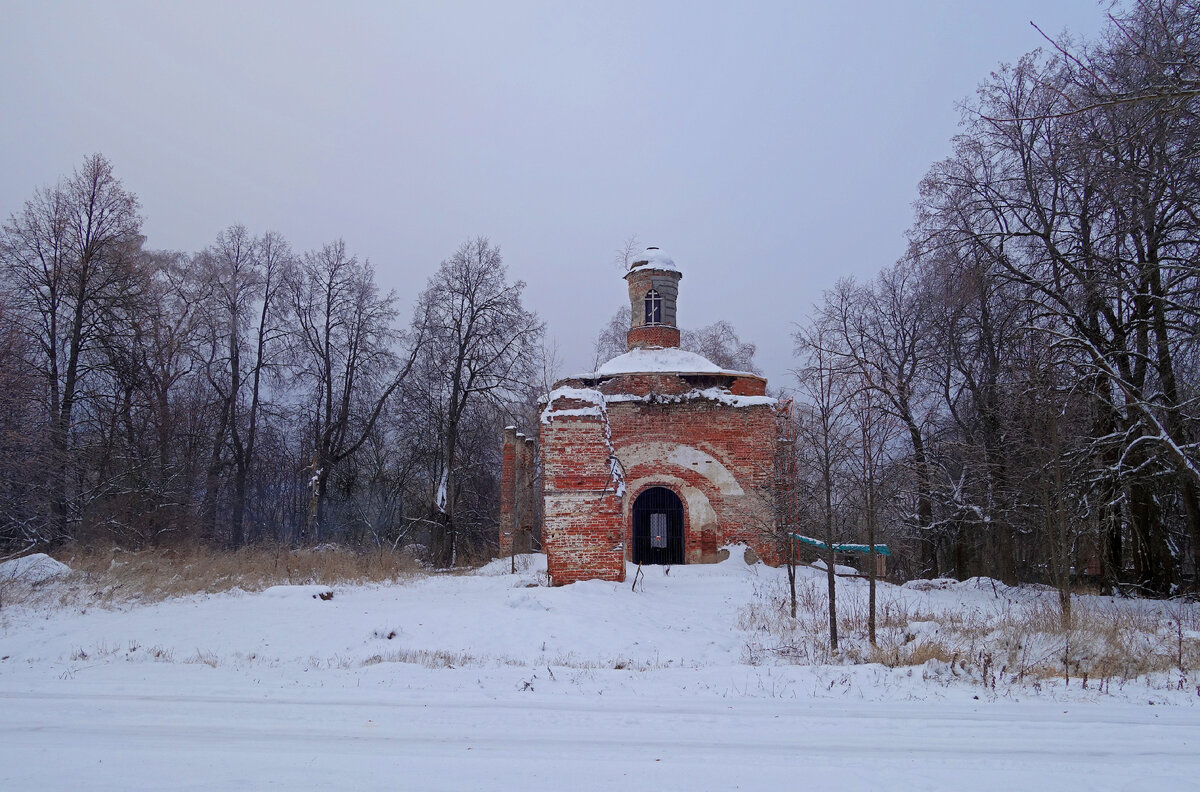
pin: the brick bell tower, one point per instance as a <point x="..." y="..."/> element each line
<point x="653" y="282"/>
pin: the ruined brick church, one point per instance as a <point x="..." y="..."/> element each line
<point x="659" y="456"/>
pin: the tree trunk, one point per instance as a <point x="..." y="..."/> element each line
<point x="238" y="507"/>
<point x="1175" y="422"/>
<point x="831" y="575"/>
<point x="929" y="560"/>
<point x="1153" y="564"/>
<point x="213" y="476"/>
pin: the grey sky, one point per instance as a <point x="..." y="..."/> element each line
<point x="768" y="147"/>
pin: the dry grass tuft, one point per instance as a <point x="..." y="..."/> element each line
<point x="438" y="659"/>
<point x="153" y="575"/>
<point x="1011" y="639"/>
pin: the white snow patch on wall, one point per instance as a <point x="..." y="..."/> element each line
<point x="725" y="397"/>
<point x="699" y="509"/>
<point x="687" y="457"/>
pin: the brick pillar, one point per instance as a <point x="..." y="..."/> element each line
<point x="527" y="513"/>
<point x="582" y="509"/>
<point x="508" y="477"/>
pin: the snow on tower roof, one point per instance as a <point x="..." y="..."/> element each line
<point x="668" y="360"/>
<point x="653" y="258"/>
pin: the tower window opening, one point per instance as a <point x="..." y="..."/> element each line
<point x="653" y="307"/>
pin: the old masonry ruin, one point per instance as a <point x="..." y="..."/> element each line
<point x="659" y="456"/>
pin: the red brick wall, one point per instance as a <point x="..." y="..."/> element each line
<point x="528" y="497"/>
<point x="508" y="477"/>
<point x="719" y="459"/>
<point x="706" y="452"/>
<point x="518" y="504"/>
<point x="647" y="383"/>
<point x="581" y="522"/>
<point x="652" y="336"/>
<point x="748" y="386"/>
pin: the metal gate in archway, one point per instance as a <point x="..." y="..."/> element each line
<point x="657" y="527"/>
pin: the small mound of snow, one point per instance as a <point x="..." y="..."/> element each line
<point x="297" y="592"/>
<point x="922" y="631"/>
<point x="838" y="569"/>
<point x="526" y="563"/>
<point x="35" y="568"/>
<point x="987" y="584"/>
<point x="523" y="601"/>
<point x="737" y="554"/>
<point x="980" y="583"/>
<point x="653" y="258"/>
<point x="933" y="584"/>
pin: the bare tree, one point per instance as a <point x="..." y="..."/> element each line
<point x="719" y="343"/>
<point x="824" y="393"/>
<point x="22" y="446"/>
<point x="611" y="340"/>
<point x="231" y="272"/>
<point x="170" y="335"/>
<point x="1161" y="35"/>
<point x="623" y="256"/>
<point x="344" y="347"/>
<point x="483" y="351"/>
<point x="67" y="258"/>
<point x="884" y="333"/>
<point x="273" y="257"/>
<point x="873" y="431"/>
<point x="1085" y="222"/>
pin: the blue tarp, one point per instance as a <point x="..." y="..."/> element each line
<point x="843" y="548"/>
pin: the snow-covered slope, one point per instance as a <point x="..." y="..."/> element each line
<point x="490" y="680"/>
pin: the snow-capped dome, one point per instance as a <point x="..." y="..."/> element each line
<point x="653" y="258"/>
<point x="667" y="360"/>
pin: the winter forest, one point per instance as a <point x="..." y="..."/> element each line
<point x="1014" y="397"/>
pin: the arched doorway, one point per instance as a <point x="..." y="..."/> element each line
<point x="657" y="527"/>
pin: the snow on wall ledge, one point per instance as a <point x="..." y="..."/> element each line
<point x="719" y="395"/>
<point x="588" y="396"/>
<point x="599" y="400"/>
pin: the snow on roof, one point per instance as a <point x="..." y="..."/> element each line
<point x="670" y="360"/>
<point x="653" y="258"/>
<point x="587" y="395"/>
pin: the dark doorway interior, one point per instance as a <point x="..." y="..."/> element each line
<point x="658" y="527"/>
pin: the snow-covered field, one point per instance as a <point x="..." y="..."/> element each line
<point x="490" y="681"/>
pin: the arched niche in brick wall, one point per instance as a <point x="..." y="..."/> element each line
<point x="699" y="517"/>
<point x="684" y="457"/>
<point x="657" y="527"/>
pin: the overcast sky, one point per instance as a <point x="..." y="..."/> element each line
<point x="770" y="148"/>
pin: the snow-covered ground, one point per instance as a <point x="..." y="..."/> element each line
<point x="490" y="681"/>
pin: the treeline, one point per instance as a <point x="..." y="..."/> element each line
<point x="1017" y="397"/>
<point x="246" y="392"/>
